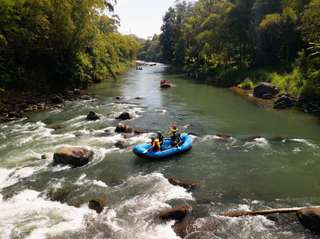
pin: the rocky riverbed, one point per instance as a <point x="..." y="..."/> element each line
<point x="244" y="158"/>
<point x="16" y="105"/>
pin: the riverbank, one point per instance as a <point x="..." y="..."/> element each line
<point x="248" y="95"/>
<point x="278" y="101"/>
<point x="16" y="105"/>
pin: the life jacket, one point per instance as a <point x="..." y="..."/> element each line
<point x="173" y="130"/>
<point x="156" y="145"/>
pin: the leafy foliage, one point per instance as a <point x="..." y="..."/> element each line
<point x="272" y="40"/>
<point x="53" y="44"/>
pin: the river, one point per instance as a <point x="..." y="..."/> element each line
<point x="270" y="160"/>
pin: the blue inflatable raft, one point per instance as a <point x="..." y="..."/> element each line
<point x="145" y="150"/>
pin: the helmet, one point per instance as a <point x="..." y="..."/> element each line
<point x="159" y="132"/>
<point x="153" y="137"/>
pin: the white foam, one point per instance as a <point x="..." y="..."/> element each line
<point x="304" y="141"/>
<point x="134" y="217"/>
<point x="29" y="216"/>
<point x="258" y="142"/>
<point x="296" y="150"/>
<point x="9" y="177"/>
<point x="99" y="183"/>
<point x="4" y="177"/>
<point x="246" y="227"/>
<point x="82" y="180"/>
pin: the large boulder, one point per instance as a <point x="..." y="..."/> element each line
<point x="178" y="213"/>
<point x="310" y="218"/>
<point x="284" y="102"/>
<point x="124" y="116"/>
<point x="74" y="156"/>
<point x="265" y="90"/>
<point x="92" y="116"/>
<point x="184" y="184"/>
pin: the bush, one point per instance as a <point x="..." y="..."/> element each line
<point x="247" y="84"/>
<point x="290" y="83"/>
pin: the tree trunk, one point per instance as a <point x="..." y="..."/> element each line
<point x="262" y="212"/>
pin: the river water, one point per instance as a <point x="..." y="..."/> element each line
<point x="271" y="160"/>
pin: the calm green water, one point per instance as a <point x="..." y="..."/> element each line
<point x="270" y="160"/>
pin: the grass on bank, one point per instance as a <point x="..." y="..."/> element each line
<point x="288" y="83"/>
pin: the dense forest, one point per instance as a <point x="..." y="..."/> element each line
<point x="54" y="44"/>
<point x="247" y="41"/>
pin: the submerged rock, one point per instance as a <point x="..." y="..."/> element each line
<point x="139" y="131"/>
<point x="85" y="97"/>
<point x="201" y="226"/>
<point x="121" y="144"/>
<point x="92" y="116"/>
<point x="124" y="116"/>
<point x="184" y="184"/>
<point x="178" y="213"/>
<point x="264" y="89"/>
<point x="97" y="205"/>
<point x="74" y="156"/>
<point x="182" y="229"/>
<point x="59" y="194"/>
<point x="310" y="218"/>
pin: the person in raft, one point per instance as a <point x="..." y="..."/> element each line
<point x="175" y="136"/>
<point x="155" y="143"/>
<point x="160" y="137"/>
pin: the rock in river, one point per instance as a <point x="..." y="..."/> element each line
<point x="263" y="89"/>
<point x="177" y="213"/>
<point x="284" y="102"/>
<point x="57" y="99"/>
<point x="124" y="116"/>
<point x="123" y="128"/>
<point x="97" y="205"/>
<point x="85" y="97"/>
<point x="92" y="116"/>
<point x="121" y="144"/>
<point x="202" y="226"/>
<point x="182" y="229"/>
<point x="74" y="156"/>
<point x="184" y="184"/>
<point x="310" y="218"/>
